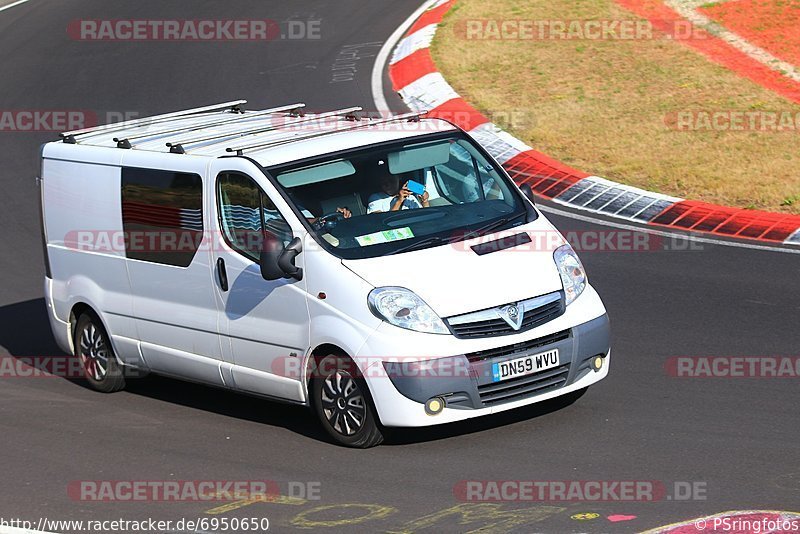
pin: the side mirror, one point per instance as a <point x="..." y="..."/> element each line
<point x="286" y="259"/>
<point x="528" y="192"/>
<point x="277" y="261"/>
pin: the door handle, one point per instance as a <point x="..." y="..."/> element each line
<point x="222" y="274"/>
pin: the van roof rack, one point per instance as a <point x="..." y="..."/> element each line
<point x="70" y="137"/>
<point x="359" y="123"/>
<point x="178" y="146"/>
<point x="224" y="128"/>
<point x="295" y="109"/>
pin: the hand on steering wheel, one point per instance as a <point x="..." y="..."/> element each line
<point x="330" y="220"/>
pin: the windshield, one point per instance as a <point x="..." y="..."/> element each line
<point x="397" y="197"/>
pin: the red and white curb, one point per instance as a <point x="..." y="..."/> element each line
<point x="769" y="521"/>
<point x="415" y="77"/>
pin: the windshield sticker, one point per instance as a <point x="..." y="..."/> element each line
<point x="385" y="236"/>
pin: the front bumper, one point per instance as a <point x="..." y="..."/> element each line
<point x="466" y="384"/>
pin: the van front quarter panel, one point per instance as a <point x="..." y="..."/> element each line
<point x="337" y="303"/>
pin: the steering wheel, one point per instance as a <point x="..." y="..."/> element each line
<point x="328" y="221"/>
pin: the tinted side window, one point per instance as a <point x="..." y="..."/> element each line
<point x="247" y="214"/>
<point x="162" y="215"/>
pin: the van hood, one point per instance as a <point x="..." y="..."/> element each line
<point x="453" y="279"/>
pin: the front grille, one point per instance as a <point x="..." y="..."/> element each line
<point x="488" y="323"/>
<point x="522" y="348"/>
<point x="524" y="386"/>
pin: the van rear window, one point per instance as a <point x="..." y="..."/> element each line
<point x="162" y="215"/>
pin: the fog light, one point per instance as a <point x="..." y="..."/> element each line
<point x="434" y="405"/>
<point x="597" y="362"/>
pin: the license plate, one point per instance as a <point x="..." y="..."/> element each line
<point x="527" y="365"/>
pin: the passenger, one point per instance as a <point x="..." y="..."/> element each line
<point x="392" y="197"/>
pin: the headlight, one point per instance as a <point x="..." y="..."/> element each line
<point x="573" y="277"/>
<point x="401" y="307"/>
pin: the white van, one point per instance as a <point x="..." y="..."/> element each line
<point x="384" y="271"/>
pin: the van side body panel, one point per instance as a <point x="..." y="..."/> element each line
<point x="84" y="230"/>
<point x="263" y="324"/>
<point x="175" y="311"/>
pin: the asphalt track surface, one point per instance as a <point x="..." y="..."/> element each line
<point x="737" y="437"/>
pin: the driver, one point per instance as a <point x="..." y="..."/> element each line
<point x="344" y="210"/>
<point x="393" y="197"/>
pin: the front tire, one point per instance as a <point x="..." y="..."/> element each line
<point x="96" y="355"/>
<point x="342" y="402"/>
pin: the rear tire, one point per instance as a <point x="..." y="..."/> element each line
<point x="342" y="402"/>
<point x="96" y="355"/>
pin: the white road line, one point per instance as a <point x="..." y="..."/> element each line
<point x="16" y="530"/>
<point x="380" y="61"/>
<point x="650" y="230"/>
<point x="9" y="6"/>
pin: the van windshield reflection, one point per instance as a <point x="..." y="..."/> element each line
<point x="397" y="197"/>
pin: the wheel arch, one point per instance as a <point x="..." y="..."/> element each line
<point x="313" y="358"/>
<point x="327" y="349"/>
<point x="80" y="308"/>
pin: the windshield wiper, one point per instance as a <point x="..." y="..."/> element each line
<point x="433" y="240"/>
<point x="487" y="228"/>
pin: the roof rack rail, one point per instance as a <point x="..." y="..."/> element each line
<point x="216" y="121"/>
<point x="177" y="147"/>
<point x="69" y="137"/>
<point x="411" y="117"/>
